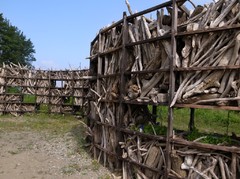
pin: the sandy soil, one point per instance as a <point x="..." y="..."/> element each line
<point x="27" y="155"/>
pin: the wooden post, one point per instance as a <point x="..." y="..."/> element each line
<point x="49" y="91"/>
<point x="154" y="113"/>
<point x="234" y="165"/>
<point x="191" y="121"/>
<point x="99" y="72"/>
<point x="124" y="56"/>
<point x="119" y="119"/>
<point x="72" y="90"/>
<point x="171" y="88"/>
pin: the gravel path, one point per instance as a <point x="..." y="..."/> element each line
<point x="34" y="155"/>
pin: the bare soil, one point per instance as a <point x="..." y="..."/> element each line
<point x="39" y="155"/>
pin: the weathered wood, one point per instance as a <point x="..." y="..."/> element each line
<point x="203" y="70"/>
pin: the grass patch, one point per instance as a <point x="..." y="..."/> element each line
<point x="78" y="132"/>
<point x="95" y="165"/>
<point x="206" y="120"/>
<point x="28" y="98"/>
<point x="71" y="169"/>
<point x="68" y="100"/>
<point x="12" y="89"/>
<point x="54" y="124"/>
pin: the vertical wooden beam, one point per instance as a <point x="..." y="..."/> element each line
<point x="171" y="87"/>
<point x="99" y="72"/>
<point x="124" y="56"/>
<point x="154" y="113"/>
<point x="119" y="116"/>
<point x="35" y="91"/>
<point x="5" y="90"/>
<point x="49" y="91"/>
<point x="234" y="165"/>
<point x="72" y="90"/>
<point x="122" y="69"/>
<point x="191" y="124"/>
<point x="20" y="110"/>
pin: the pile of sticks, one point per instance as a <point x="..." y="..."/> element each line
<point x="193" y="163"/>
<point x="206" y="68"/>
<point x="146" y="153"/>
<point x="43" y="83"/>
<point x="216" y="50"/>
<point x="104" y="136"/>
<point x="54" y="88"/>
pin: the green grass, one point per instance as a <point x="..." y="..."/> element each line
<point x="54" y="124"/>
<point x="206" y="120"/>
<point x="15" y="90"/>
<point x="28" y="98"/>
<point x="43" y="108"/>
<point x="68" y="100"/>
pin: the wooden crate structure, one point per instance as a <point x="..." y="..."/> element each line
<point x="26" y="90"/>
<point x="176" y="60"/>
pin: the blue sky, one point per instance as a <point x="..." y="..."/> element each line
<point x="62" y="30"/>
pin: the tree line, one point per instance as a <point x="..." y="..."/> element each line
<point x="15" y="47"/>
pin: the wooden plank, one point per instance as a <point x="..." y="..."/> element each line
<point x="202" y="146"/>
<point x="233" y="108"/>
<point x="172" y="82"/>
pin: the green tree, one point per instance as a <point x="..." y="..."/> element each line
<point x="14" y="46"/>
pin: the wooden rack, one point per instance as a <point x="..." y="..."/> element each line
<point x="137" y="55"/>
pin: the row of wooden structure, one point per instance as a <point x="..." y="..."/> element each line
<point x="180" y="59"/>
<point x="24" y="90"/>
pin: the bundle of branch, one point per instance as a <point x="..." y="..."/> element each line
<point x="148" y="153"/>
<point x="108" y="41"/>
<point x="29" y="82"/>
<point x="14" y="74"/>
<point x="2" y="89"/>
<point x="78" y="97"/>
<point x="215" y="49"/>
<point x="68" y="75"/>
<point x="55" y="109"/>
<point x="189" y="163"/>
<point x="147" y="57"/>
<point x="42" y="86"/>
<point x="104" y="136"/>
<point x="14" y="109"/>
<point x="80" y="85"/>
<point x="28" y="90"/>
<point x="2" y="98"/>
<point x="13" y="98"/>
<point x="2" y="76"/>
<point x="2" y="109"/>
<point x="42" y="99"/>
<point x="56" y="96"/>
<point x="66" y="109"/>
<point x="42" y="74"/>
<point x="110" y="88"/>
<point x="28" y="108"/>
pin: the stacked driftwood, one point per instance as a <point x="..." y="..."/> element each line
<point x="55" y="88"/>
<point x="43" y="82"/>
<point x="216" y="49"/>
<point x="194" y="163"/>
<point x="213" y="49"/>
<point x="147" y="153"/>
<point x="132" y="75"/>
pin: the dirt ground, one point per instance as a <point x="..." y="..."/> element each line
<point x="31" y="154"/>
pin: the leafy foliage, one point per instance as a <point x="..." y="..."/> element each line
<point x="14" y="46"/>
